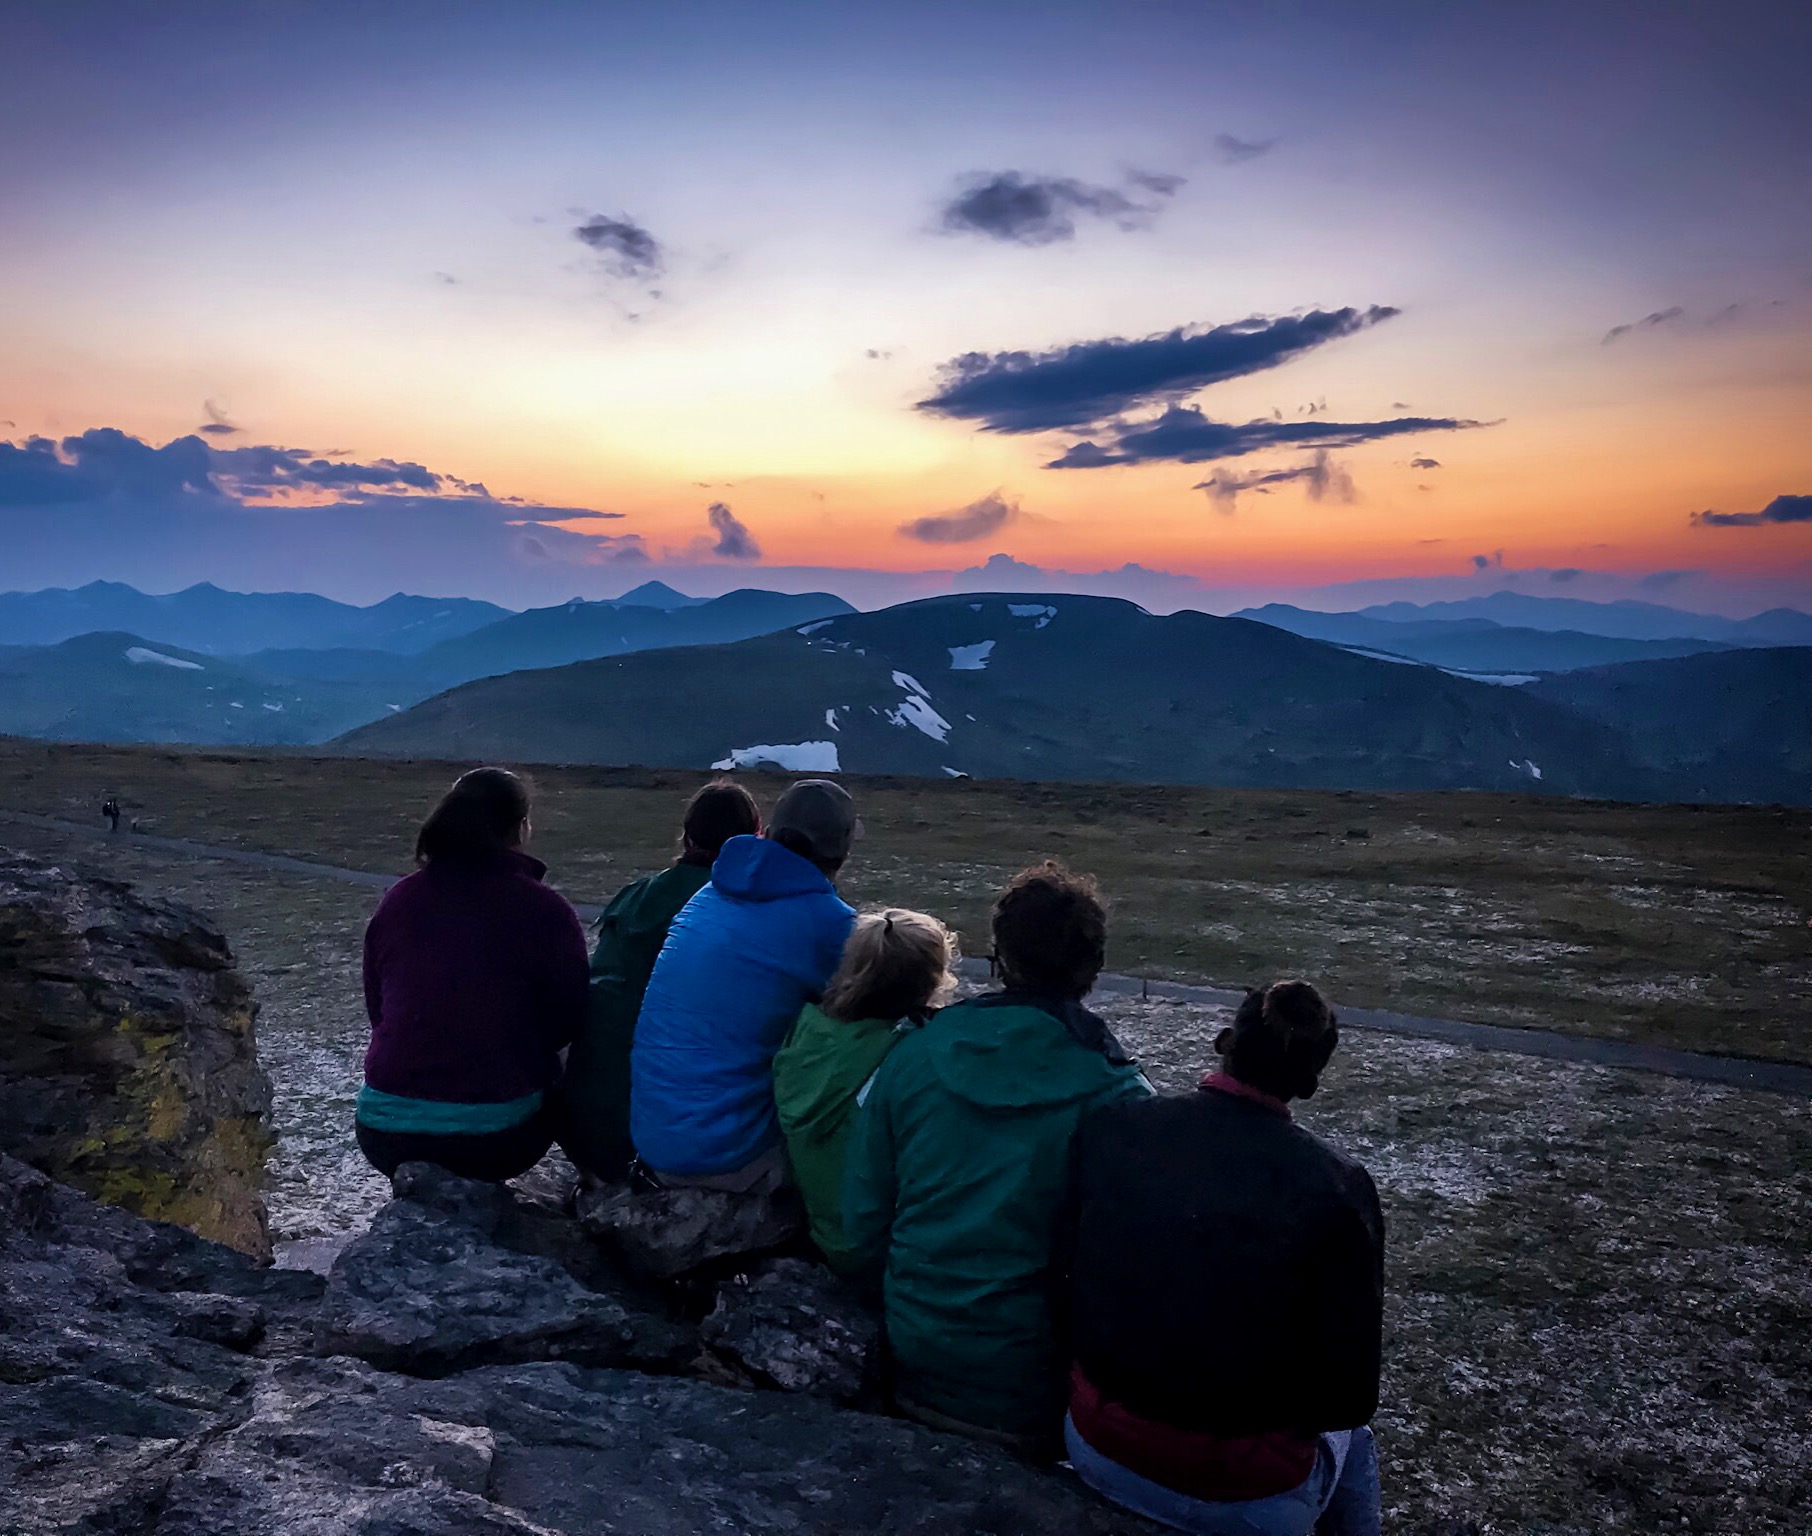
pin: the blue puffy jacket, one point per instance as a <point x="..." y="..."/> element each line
<point x="741" y="959"/>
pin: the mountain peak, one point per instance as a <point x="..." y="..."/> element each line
<point x="656" y="594"/>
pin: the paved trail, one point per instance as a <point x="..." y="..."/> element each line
<point x="1735" y="1071"/>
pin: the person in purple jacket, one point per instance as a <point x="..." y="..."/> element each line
<point x="475" y="979"/>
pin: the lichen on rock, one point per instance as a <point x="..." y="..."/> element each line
<point x="128" y="1065"/>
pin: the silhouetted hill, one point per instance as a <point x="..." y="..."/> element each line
<point x="209" y="619"/>
<point x="1474" y="645"/>
<point x="121" y="688"/>
<point x="1732" y="726"/>
<point x="582" y="631"/>
<point x="1054" y="687"/>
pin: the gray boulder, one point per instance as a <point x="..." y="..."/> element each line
<point x="431" y="1289"/>
<point x="118" y="1419"/>
<point x="333" y="1447"/>
<point x="796" y="1327"/>
<point x="127" y="1065"/>
<point x="665" y="1234"/>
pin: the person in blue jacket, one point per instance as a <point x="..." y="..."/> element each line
<point x="745" y="954"/>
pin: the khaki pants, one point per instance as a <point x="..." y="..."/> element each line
<point x="767" y="1175"/>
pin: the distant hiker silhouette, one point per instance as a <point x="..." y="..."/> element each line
<point x="110" y="808"/>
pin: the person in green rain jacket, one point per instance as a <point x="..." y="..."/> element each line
<point x="959" y="1170"/>
<point x="591" y="1102"/>
<point x="897" y="969"/>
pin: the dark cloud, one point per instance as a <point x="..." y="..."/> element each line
<point x="106" y="504"/>
<point x="623" y="246"/>
<point x="1089" y="381"/>
<point x="447" y="279"/>
<point x="1042" y="210"/>
<point x="1565" y="574"/>
<point x="1424" y="463"/>
<point x="1492" y="561"/>
<point x="733" y="541"/>
<point x="1234" y="151"/>
<point x="1324" y="480"/>
<point x="1646" y="323"/>
<point x="104" y="464"/>
<point x="1184" y="435"/>
<point x="1660" y="581"/>
<point x="877" y="354"/>
<point x="975" y="521"/>
<point x="1725" y="316"/>
<point x="1783" y="509"/>
<point x="217" y="423"/>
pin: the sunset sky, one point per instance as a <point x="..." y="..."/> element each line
<point x="1330" y="302"/>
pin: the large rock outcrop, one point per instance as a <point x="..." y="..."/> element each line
<point x="127" y="1065"/>
<point x="155" y="1384"/>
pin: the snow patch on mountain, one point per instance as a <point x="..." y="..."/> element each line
<point x="812" y="629"/>
<point x="140" y="655"/>
<point x="910" y="683"/>
<point x="918" y="713"/>
<point x="792" y="757"/>
<point x="830" y="718"/>
<point x="970" y="658"/>
<point x="1043" y="612"/>
<point x="1526" y="766"/>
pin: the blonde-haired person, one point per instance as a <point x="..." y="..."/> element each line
<point x="898" y="968"/>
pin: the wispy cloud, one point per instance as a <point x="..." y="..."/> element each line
<point x="1783" y="509"/>
<point x="975" y="521"/>
<point x="1322" y="477"/>
<point x="217" y="424"/>
<point x="1090" y="381"/>
<point x="1184" y="435"/>
<point x="1023" y="209"/>
<point x="1237" y="151"/>
<point x="1648" y="322"/>
<point x="1424" y="463"/>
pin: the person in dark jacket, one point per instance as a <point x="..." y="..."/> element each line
<point x="592" y="1098"/>
<point x="475" y="981"/>
<point x="742" y="958"/>
<point x="1226" y="1283"/>
<point x="957" y="1169"/>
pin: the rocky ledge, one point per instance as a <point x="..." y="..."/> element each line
<point x="127" y="1061"/>
<point x="474" y="1364"/>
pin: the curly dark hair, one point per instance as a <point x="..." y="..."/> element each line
<point x="1050" y="930"/>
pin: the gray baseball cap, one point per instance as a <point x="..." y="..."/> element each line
<point x="821" y="813"/>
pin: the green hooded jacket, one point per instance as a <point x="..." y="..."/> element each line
<point x="958" y="1172"/>
<point x="817" y="1075"/>
<point x="592" y="1098"/>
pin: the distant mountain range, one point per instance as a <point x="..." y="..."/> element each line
<point x="1056" y="687"/>
<point x="1474" y="645"/>
<point x="1622" y="620"/>
<point x="206" y="618"/>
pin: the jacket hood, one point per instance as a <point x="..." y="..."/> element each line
<point x="757" y="869"/>
<point x="1003" y="1053"/>
<point x="830" y="1059"/>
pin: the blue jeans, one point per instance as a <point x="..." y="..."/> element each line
<point x="1339" y="1498"/>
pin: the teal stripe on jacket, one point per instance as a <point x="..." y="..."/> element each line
<point x="430" y="1117"/>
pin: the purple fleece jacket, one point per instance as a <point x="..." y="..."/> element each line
<point x="475" y="976"/>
